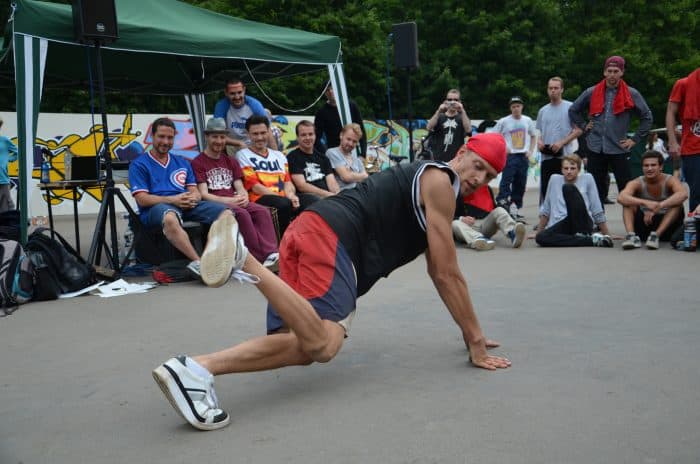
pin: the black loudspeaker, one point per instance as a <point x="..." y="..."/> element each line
<point x="95" y="20"/>
<point x="405" y="45"/>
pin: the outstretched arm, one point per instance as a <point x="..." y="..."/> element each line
<point x="438" y="199"/>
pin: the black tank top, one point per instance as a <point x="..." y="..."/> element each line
<point x="381" y="222"/>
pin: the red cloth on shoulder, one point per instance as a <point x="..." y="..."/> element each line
<point x="623" y="100"/>
<point x="481" y="199"/>
<point x="691" y="105"/>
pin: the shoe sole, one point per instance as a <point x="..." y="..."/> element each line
<point x="652" y="246"/>
<point x="216" y="262"/>
<point x="629" y="246"/>
<point x="171" y="388"/>
<point x="519" y="231"/>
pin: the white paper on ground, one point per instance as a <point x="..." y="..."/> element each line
<point x="121" y="287"/>
<point x="82" y="291"/>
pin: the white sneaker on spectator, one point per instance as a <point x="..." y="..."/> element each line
<point x="653" y="241"/>
<point x="483" y="244"/>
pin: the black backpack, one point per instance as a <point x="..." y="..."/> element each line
<point x="16" y="276"/>
<point x="58" y="267"/>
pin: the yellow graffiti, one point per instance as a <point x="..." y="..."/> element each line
<point x="77" y="145"/>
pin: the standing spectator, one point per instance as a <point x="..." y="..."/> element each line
<point x="219" y="179"/>
<point x="8" y="153"/>
<point x="571" y="206"/>
<point x="236" y="108"/>
<point x="609" y="105"/>
<point x="449" y="125"/>
<point x="684" y="104"/>
<point x="556" y="133"/>
<point x="328" y="125"/>
<point x="311" y="171"/>
<point x="652" y="204"/>
<point x="266" y="174"/>
<point x="519" y="132"/>
<point x="349" y="168"/>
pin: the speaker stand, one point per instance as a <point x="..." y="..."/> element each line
<point x="411" y="156"/>
<point x="107" y="213"/>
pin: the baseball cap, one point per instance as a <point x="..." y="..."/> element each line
<point x="516" y="99"/>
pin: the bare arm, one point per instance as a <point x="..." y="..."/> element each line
<point x="628" y="195"/>
<point x="673" y="145"/>
<point x="235" y="142"/>
<point x="185" y="200"/>
<point x="332" y="184"/>
<point x="432" y="122"/>
<point x="348" y="176"/>
<point x="306" y="187"/>
<point x="678" y="196"/>
<point x="291" y="193"/>
<point x="438" y="198"/>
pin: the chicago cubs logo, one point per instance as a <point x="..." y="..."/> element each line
<point x="179" y="178"/>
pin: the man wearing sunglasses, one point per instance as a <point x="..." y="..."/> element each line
<point x="449" y="125"/>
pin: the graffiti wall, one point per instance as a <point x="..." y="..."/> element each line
<point x="62" y="136"/>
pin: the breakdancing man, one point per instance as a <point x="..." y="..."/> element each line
<point x="331" y="254"/>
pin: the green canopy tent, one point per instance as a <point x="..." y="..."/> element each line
<point x="165" y="47"/>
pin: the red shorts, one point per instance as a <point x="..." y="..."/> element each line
<point x="316" y="265"/>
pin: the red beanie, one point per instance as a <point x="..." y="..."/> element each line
<point x="616" y="61"/>
<point x="491" y="146"/>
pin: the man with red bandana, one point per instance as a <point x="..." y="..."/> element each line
<point x="334" y="252"/>
<point x="607" y="109"/>
<point x="684" y="104"/>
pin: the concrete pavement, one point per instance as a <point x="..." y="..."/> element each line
<point x="604" y="345"/>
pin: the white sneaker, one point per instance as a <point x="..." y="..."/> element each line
<point x="192" y="396"/>
<point x="225" y="253"/>
<point x="194" y="268"/>
<point x="483" y="244"/>
<point x="517" y="235"/>
<point x="271" y="260"/>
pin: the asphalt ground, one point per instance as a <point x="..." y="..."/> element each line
<point x="604" y="345"/>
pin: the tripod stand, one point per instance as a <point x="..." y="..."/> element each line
<point x="107" y="211"/>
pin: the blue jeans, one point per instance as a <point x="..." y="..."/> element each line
<point x="513" y="179"/>
<point x="205" y="212"/>
<point x="691" y="172"/>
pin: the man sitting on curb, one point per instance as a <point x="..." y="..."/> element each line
<point x="652" y="204"/>
<point x="482" y="220"/>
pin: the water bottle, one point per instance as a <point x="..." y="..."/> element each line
<point x="45" y="172"/>
<point x="690" y="234"/>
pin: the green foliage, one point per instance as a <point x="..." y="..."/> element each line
<point x="491" y="50"/>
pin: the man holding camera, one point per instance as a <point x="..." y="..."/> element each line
<point x="449" y="125"/>
<point x="556" y="133"/>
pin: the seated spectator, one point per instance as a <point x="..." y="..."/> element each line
<point x="311" y="171"/>
<point x="482" y="219"/>
<point x="165" y="190"/>
<point x="349" y="168"/>
<point x="570" y="208"/>
<point x="266" y="174"/>
<point x="219" y="179"/>
<point x="652" y="204"/>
